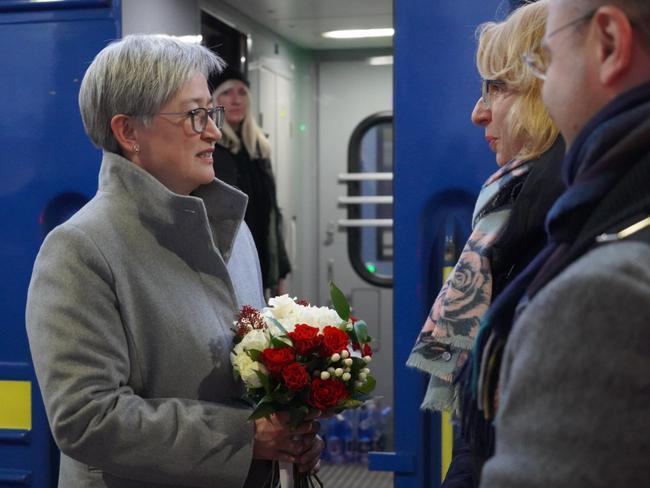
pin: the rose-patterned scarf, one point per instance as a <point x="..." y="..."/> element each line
<point x="449" y="331"/>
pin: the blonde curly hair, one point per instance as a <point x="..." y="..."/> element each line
<point x="501" y="46"/>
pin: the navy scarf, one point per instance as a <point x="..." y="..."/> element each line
<point x="615" y="140"/>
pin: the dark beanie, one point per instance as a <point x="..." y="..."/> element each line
<point x="227" y="74"/>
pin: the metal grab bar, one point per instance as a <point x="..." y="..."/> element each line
<point x="368" y="199"/>
<point x="365" y="223"/>
<point x="386" y="176"/>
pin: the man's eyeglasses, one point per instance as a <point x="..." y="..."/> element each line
<point x="200" y="116"/>
<point x="489" y="88"/>
<point x="538" y="62"/>
<point x="582" y="18"/>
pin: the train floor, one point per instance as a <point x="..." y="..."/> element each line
<point x="353" y="476"/>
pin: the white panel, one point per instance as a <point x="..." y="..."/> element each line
<point x="283" y="124"/>
<point x="174" y="17"/>
<point x="350" y="91"/>
<point x="267" y="106"/>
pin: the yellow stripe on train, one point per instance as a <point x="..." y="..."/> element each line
<point x="16" y="405"/>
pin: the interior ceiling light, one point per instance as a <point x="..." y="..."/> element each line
<point x="191" y="39"/>
<point x="380" y="60"/>
<point x="358" y="33"/>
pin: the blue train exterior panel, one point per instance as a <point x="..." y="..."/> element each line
<point x="48" y="169"/>
<point x="441" y="160"/>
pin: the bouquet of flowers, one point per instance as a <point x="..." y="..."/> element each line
<point x="298" y="358"/>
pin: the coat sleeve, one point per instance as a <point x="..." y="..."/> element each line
<point x="575" y="387"/>
<point x="82" y="355"/>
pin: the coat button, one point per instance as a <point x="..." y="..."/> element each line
<point x="446" y="356"/>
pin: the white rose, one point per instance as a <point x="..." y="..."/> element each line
<point x="257" y="339"/>
<point x="318" y="316"/>
<point x="327" y="316"/>
<point x="247" y="369"/>
<point x="282" y="307"/>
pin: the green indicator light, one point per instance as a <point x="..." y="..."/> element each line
<point x="371" y="267"/>
<point x="302" y="127"/>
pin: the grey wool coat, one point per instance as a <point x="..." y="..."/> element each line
<point x="129" y="317"/>
<point x="574" y="409"/>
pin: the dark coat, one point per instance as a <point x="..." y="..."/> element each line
<point x="254" y="177"/>
<point x="520" y="241"/>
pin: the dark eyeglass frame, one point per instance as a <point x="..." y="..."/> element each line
<point x="200" y="116"/>
<point x="486" y="90"/>
<point x="582" y="18"/>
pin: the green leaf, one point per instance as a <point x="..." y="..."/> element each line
<point x="262" y="410"/>
<point x="264" y="380"/>
<point x="368" y="386"/>
<point x="280" y="342"/>
<point x="339" y="302"/>
<point x="352" y="335"/>
<point x="282" y="396"/>
<point x="254" y="354"/>
<point x="358" y="364"/>
<point x="361" y="331"/>
<point x="349" y="404"/>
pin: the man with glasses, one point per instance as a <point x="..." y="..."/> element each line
<point x="574" y="397"/>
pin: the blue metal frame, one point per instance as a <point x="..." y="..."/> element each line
<point x="8" y="5"/>
<point x="48" y="168"/>
<point x="440" y="162"/>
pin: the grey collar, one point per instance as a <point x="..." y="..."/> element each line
<point x="220" y="207"/>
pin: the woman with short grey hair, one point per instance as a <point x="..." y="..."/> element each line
<point x="131" y="301"/>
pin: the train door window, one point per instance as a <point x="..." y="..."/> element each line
<point x="370" y="199"/>
<point x="229" y="43"/>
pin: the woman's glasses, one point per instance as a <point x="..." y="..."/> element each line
<point x="489" y="88"/>
<point x="200" y="117"/>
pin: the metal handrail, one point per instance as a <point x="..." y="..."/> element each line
<point x="365" y="223"/>
<point x="365" y="199"/>
<point x="385" y="176"/>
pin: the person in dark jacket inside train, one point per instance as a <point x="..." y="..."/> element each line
<point x="574" y="390"/>
<point x="242" y="159"/>
<point x="507" y="228"/>
<point x="132" y="300"/>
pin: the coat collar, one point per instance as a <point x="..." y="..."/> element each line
<point x="219" y="207"/>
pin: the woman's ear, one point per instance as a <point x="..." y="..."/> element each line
<point x="126" y="135"/>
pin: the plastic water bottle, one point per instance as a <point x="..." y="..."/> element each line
<point x="348" y="436"/>
<point x="334" y="443"/>
<point x="366" y="432"/>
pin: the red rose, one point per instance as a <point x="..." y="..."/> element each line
<point x="305" y="338"/>
<point x="295" y="376"/>
<point x="325" y="394"/>
<point x="334" y="340"/>
<point x="276" y="359"/>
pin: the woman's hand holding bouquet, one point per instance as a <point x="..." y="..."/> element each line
<point x="297" y="361"/>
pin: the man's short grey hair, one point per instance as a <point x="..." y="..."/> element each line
<point x="137" y="76"/>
